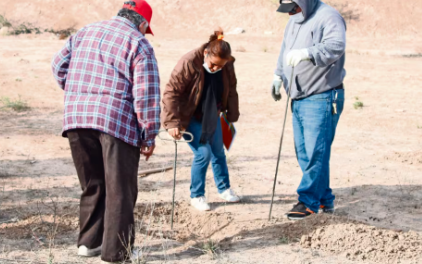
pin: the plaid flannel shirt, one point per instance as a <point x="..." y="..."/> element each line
<point x="109" y="73"/>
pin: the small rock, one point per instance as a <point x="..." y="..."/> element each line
<point x="305" y="240"/>
<point x="238" y="238"/>
<point x="236" y="31"/>
<point x="4" y="31"/>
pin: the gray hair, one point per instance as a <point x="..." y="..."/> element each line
<point x="131" y="15"/>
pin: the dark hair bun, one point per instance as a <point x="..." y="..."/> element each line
<point x="219" y="47"/>
<point x="215" y="35"/>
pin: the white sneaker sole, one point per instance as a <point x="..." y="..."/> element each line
<point x="238" y="201"/>
<point x="201" y="210"/>
<point x="229" y="201"/>
<point x="90" y="252"/>
<point x="295" y="218"/>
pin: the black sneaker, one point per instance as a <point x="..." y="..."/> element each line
<point x="326" y="209"/>
<point x="299" y="211"/>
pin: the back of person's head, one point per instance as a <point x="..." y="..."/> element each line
<point x="216" y="46"/>
<point x="131" y="15"/>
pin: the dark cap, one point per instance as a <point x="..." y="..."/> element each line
<point x="286" y="6"/>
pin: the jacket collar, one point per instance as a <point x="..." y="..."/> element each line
<point x="199" y="57"/>
<point x="125" y="21"/>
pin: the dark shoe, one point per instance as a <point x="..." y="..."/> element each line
<point x="299" y="211"/>
<point x="326" y="209"/>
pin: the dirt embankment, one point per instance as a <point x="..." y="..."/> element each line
<point x="181" y="18"/>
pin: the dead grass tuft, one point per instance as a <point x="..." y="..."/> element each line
<point x="211" y="248"/>
<point x="17" y="105"/>
<point x="358" y="105"/>
<point x="4" y="22"/>
<point x="62" y="33"/>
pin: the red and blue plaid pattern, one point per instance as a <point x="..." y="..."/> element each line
<point x="109" y="73"/>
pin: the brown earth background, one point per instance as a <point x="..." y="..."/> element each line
<point x="376" y="165"/>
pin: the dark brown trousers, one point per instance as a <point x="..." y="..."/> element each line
<point x="107" y="168"/>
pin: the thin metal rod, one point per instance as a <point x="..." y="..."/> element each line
<point x="174" y="183"/>
<point x="281" y="143"/>
<point x="151" y="171"/>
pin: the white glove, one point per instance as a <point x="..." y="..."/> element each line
<point x="295" y="56"/>
<point x="275" y="88"/>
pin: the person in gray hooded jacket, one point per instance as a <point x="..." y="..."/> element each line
<point x="313" y="48"/>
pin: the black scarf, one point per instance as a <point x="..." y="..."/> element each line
<point x="213" y="86"/>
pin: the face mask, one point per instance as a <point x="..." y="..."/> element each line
<point x="208" y="69"/>
<point x="297" y="17"/>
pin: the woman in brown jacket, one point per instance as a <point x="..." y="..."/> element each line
<point x="201" y="86"/>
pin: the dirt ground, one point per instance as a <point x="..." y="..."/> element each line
<point x="376" y="165"/>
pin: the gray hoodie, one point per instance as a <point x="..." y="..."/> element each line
<point x="322" y="31"/>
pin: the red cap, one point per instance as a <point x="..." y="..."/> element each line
<point x="144" y="9"/>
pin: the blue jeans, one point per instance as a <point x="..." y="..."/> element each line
<point x="314" y="128"/>
<point x="203" y="154"/>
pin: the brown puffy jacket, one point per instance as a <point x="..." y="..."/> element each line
<point x="184" y="90"/>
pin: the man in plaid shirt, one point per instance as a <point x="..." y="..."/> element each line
<point x="109" y="73"/>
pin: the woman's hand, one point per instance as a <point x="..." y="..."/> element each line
<point x="175" y="133"/>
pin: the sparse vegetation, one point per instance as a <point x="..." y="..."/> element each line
<point x="211" y="248"/>
<point x="63" y="33"/>
<point x="4" y="22"/>
<point x="17" y="105"/>
<point x="284" y="240"/>
<point x="24" y="28"/>
<point x="28" y="28"/>
<point x="358" y="105"/>
<point x="18" y="79"/>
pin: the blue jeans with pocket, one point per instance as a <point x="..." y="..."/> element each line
<point x="212" y="152"/>
<point x="314" y="128"/>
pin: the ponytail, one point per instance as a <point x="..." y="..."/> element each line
<point x="216" y="46"/>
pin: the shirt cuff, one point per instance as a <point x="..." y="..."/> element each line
<point x="148" y="142"/>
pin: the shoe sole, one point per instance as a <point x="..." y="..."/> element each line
<point x="89" y="255"/>
<point x="200" y="209"/>
<point x="295" y="218"/>
<point x="229" y="201"/>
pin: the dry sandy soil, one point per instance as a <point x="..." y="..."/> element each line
<point x="376" y="162"/>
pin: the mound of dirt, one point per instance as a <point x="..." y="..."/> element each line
<point x="362" y="242"/>
<point x="168" y="18"/>
<point x="189" y="224"/>
<point x="39" y="227"/>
